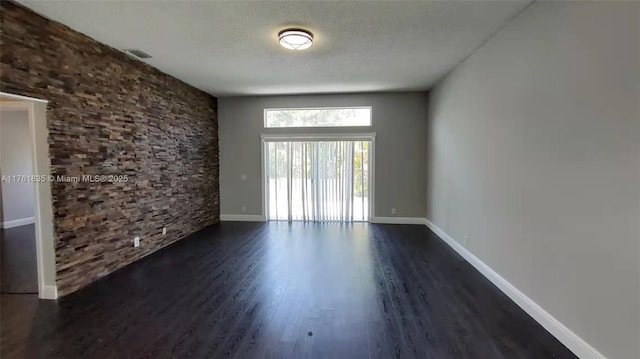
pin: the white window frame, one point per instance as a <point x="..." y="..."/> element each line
<point x="371" y="136"/>
<point x="370" y="108"/>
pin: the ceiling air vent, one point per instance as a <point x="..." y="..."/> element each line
<point x="137" y="53"/>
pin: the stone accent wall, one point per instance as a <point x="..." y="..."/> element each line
<point x="109" y="114"/>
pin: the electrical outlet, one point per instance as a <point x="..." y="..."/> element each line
<point x="244" y="209"/>
<point x="136" y="242"/>
<point x="466" y="241"/>
<point x="164" y="230"/>
<point x="393" y="211"/>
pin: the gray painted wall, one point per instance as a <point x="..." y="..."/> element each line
<point x="399" y="119"/>
<point x="18" y="199"/>
<point x="535" y="155"/>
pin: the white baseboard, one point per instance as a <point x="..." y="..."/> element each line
<point x="398" y="220"/>
<point x="49" y="292"/>
<point x="570" y="339"/>
<point x="242" y="218"/>
<point x="18" y="222"/>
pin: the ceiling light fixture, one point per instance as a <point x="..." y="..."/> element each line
<point x="295" y="39"/>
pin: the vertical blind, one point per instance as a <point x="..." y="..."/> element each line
<point x="317" y="180"/>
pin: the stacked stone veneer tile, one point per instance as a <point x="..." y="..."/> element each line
<point x="109" y="114"/>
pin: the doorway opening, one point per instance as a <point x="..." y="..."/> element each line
<point x="26" y="215"/>
<point x="17" y="213"/>
<point x="318" y="178"/>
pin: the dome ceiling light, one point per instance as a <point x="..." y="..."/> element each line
<point x="295" y="39"/>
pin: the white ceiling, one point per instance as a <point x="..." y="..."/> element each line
<point x="231" y="48"/>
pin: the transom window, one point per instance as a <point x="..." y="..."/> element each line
<point x="317" y="117"/>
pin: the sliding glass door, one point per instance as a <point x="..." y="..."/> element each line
<point x="317" y="180"/>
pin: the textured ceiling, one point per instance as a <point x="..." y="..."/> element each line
<point x="231" y="47"/>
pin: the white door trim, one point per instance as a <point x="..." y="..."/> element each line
<point x="269" y="137"/>
<point x="22" y="98"/>
<point x="370" y="136"/>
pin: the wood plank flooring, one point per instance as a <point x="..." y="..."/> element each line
<point x="279" y="290"/>
<point x="18" y="267"/>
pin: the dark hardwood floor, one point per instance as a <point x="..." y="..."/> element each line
<point x="18" y="268"/>
<point x="279" y="290"/>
